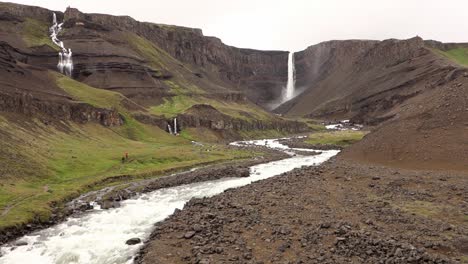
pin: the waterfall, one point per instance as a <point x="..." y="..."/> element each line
<point x="65" y="64"/>
<point x="169" y="129"/>
<point x="291" y="78"/>
<point x="175" y="126"/>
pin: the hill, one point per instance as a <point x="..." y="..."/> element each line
<point x="414" y="92"/>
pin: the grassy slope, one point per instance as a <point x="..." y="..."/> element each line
<point x="66" y="161"/>
<point x="187" y="94"/>
<point x="339" y="138"/>
<point x="35" y="33"/>
<point x="458" y="55"/>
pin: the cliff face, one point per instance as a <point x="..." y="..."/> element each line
<point x="101" y="44"/>
<point x="364" y="80"/>
<point x="410" y="90"/>
<point x="261" y="75"/>
<point x="153" y="65"/>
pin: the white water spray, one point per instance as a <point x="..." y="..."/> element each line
<point x="289" y="94"/>
<point x="65" y="64"/>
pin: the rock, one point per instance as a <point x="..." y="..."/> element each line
<point x="197" y="228"/>
<point x="20" y="243"/>
<point x="189" y="234"/>
<point x="375" y="178"/>
<point x="133" y="241"/>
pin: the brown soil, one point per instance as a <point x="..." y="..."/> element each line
<point x="341" y="212"/>
<point x="431" y="132"/>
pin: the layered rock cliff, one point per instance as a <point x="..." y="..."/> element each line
<point x="363" y="80"/>
<point x="412" y="91"/>
<point x="261" y="75"/>
<point x="154" y="66"/>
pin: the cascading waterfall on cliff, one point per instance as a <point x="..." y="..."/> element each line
<point x="289" y="94"/>
<point x="170" y="129"/>
<point x="65" y="64"/>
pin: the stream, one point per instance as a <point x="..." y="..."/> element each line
<point x="99" y="236"/>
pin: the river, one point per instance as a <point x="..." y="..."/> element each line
<point x="99" y="236"/>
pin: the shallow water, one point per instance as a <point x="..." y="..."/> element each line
<point x="99" y="236"/>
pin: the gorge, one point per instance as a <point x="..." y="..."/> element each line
<point x="350" y="151"/>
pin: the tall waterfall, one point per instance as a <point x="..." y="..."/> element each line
<point x="175" y="126"/>
<point x="65" y="64"/>
<point x="291" y="78"/>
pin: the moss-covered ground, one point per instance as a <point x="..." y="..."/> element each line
<point x="458" y="55"/>
<point x="339" y="138"/>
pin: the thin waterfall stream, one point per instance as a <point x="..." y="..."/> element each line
<point x="99" y="236"/>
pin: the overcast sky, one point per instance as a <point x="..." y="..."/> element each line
<point x="291" y="24"/>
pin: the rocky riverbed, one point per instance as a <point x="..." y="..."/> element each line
<point x="340" y="212"/>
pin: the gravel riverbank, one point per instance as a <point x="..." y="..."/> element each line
<point x="340" y="212"/>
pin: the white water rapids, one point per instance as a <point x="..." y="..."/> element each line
<point x="99" y="236"/>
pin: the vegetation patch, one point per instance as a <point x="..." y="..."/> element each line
<point x="85" y="93"/>
<point x="36" y="33"/>
<point x="339" y="138"/>
<point x="458" y="55"/>
<point x="421" y="208"/>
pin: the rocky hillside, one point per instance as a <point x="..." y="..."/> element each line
<point x="414" y="90"/>
<point x="161" y="71"/>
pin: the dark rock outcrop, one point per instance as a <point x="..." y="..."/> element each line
<point x="27" y="104"/>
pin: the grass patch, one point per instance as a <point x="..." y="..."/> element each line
<point x="421" y="208"/>
<point x="157" y="57"/>
<point x="85" y="93"/>
<point x="180" y="103"/>
<point x="200" y="134"/>
<point x="87" y="154"/>
<point x="173" y="106"/>
<point x="36" y="33"/>
<point x="339" y="138"/>
<point x="50" y="163"/>
<point x="458" y="55"/>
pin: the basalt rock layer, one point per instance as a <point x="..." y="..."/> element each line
<point x="412" y="90"/>
<point x="149" y="64"/>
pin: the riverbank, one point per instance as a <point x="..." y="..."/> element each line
<point x="114" y="236"/>
<point x="124" y="187"/>
<point x="340" y="212"/>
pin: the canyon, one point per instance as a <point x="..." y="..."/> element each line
<point x="141" y="102"/>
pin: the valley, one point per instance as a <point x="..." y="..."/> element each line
<point x="134" y="142"/>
